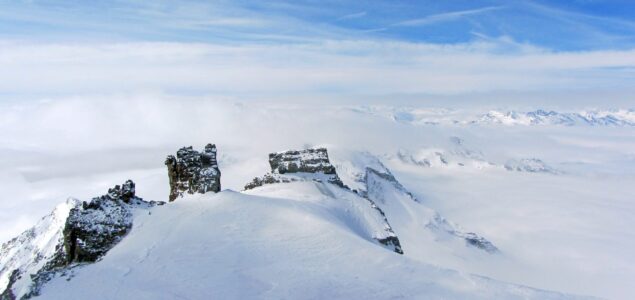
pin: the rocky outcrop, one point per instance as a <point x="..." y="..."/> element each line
<point x="306" y="161"/>
<point x="294" y="165"/>
<point x="95" y="227"/>
<point x="193" y="172"/>
<point x="268" y="179"/>
<point x="75" y="232"/>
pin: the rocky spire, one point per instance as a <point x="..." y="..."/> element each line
<point x="193" y="172"/>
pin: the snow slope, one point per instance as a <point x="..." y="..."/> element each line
<point x="282" y="241"/>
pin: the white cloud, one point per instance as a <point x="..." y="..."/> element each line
<point x="362" y="67"/>
<point x="353" y="16"/>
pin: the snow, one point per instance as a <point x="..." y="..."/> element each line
<point x="31" y="250"/>
<point x="271" y="244"/>
<point x="439" y="116"/>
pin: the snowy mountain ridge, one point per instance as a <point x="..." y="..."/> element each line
<point x="279" y="238"/>
<point x="436" y="116"/>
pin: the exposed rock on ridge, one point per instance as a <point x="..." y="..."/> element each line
<point x="95" y="227"/>
<point x="307" y="164"/>
<point x="74" y="233"/>
<point x="193" y="172"/>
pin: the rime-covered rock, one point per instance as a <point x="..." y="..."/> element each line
<point x="294" y="165"/>
<point x="75" y="232"/>
<point x="193" y="172"/>
<point x="305" y="161"/>
<point x="95" y="227"/>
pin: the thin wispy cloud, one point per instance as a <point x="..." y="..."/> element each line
<point x="578" y="17"/>
<point x="352" y="16"/>
<point x="446" y="17"/>
<point x="349" y="67"/>
<point x="266" y="50"/>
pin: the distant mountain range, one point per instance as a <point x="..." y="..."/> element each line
<point x="422" y="116"/>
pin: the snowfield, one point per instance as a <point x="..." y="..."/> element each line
<point x="284" y="241"/>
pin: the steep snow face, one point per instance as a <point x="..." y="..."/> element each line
<point x="422" y="225"/>
<point x="423" y="228"/>
<point x="27" y="254"/>
<point x="284" y="241"/>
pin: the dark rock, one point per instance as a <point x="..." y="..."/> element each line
<point x="193" y="172"/>
<point x="267" y="179"/>
<point x="95" y="227"/>
<point x="300" y="163"/>
<point x="393" y="242"/>
<point x="7" y="294"/>
<point x="307" y="161"/>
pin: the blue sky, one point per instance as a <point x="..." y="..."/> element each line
<point x="556" y="25"/>
<point x="319" y="49"/>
